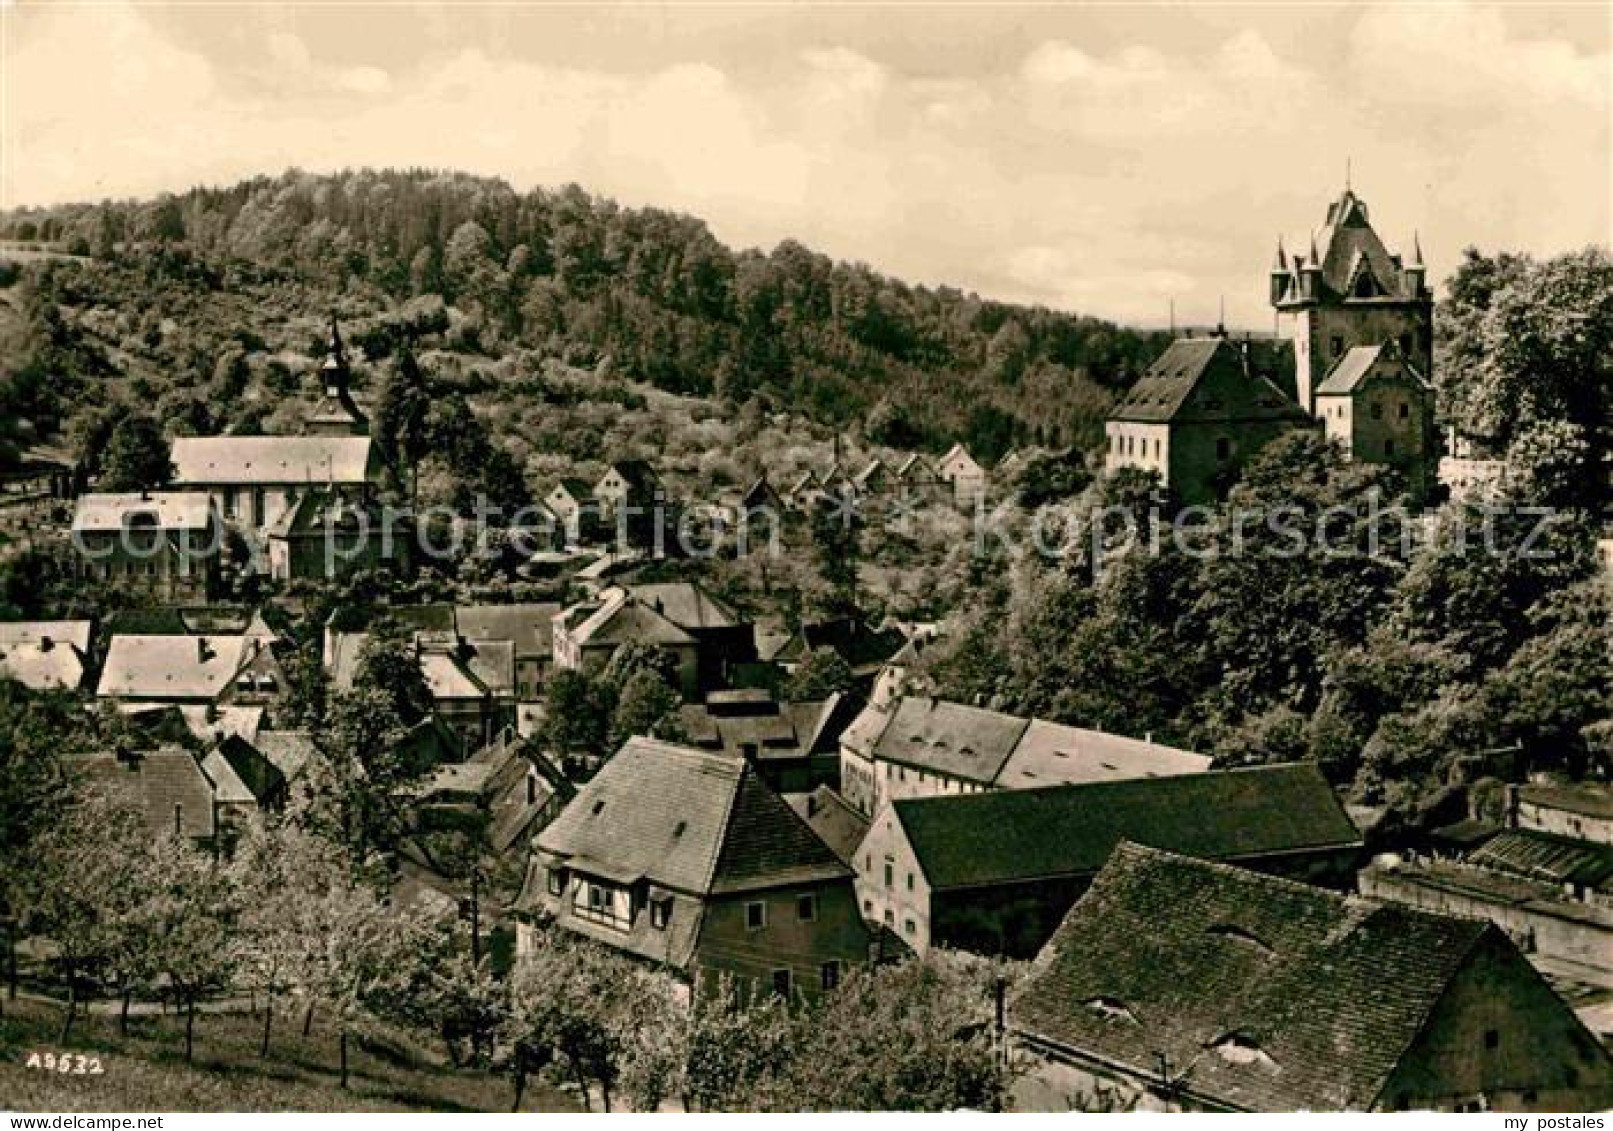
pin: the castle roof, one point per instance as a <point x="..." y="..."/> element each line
<point x="1351" y="261"/>
<point x="1363" y="363"/>
<point x="1199" y="379"/>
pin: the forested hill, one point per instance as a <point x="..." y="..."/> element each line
<point x="655" y="293"/>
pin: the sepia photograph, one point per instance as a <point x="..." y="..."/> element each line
<point x="783" y="556"/>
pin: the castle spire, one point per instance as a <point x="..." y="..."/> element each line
<point x="1282" y="257"/>
<point x="1416" y="250"/>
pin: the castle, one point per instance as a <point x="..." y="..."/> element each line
<point x="1359" y="322"/>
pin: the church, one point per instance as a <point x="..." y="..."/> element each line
<point x="1357" y="321"/>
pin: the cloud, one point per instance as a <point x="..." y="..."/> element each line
<point x="1108" y="176"/>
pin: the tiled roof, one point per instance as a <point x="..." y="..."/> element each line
<point x="685" y="819"/>
<point x="837" y="824"/>
<point x="620" y="619"/>
<point x="289" y="750"/>
<point x="228" y="788"/>
<point x="163" y="510"/>
<point x="1054" y="754"/>
<point x="1198" y="379"/>
<point x="1005" y="836"/>
<point x="288" y="460"/>
<point x="1257" y="993"/>
<point x="211" y="722"/>
<point x="530" y="627"/>
<point x="252" y="767"/>
<point x="450" y="678"/>
<point x="1544" y="856"/>
<point x="170" y="667"/>
<point x="686" y="604"/>
<point x="1361" y="363"/>
<point x="950" y="738"/>
<point x="1589" y="799"/>
<point x="161" y="782"/>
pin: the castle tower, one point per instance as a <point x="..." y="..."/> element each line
<point x="1350" y="291"/>
<point x="337" y="414"/>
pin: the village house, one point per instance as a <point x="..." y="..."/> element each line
<point x="994" y="872"/>
<point x="206" y="669"/>
<point x="572" y="503"/>
<point x="920" y="746"/>
<point x="837" y="824"/>
<point x="864" y="648"/>
<point x="1196" y="416"/>
<point x="472" y="682"/>
<point x="255" y="479"/>
<point x="686" y="860"/>
<point x="167" y="544"/>
<point x="794" y="746"/>
<point x="1181" y="985"/>
<point x="587" y="635"/>
<point x="1379" y="409"/>
<point x="959" y="471"/>
<point x="45" y="655"/>
<point x="174" y="796"/>
<point x="528" y="626"/>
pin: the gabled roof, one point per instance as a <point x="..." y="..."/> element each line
<point x="1259" y="993"/>
<point x="1198" y="379"/>
<point x="160" y="510"/>
<point x="958" y="456"/>
<point x="170" y="667"/>
<point x="687" y="604"/>
<point x="874" y="470"/>
<point x="1365" y="363"/>
<point x="290" y="460"/>
<point x="580" y="490"/>
<point x="1007" y="836"/>
<point x="1055" y="754"/>
<point x="288" y="750"/>
<point x="71" y="632"/>
<point x="529" y="627"/>
<point x="950" y="738"/>
<point x="840" y="826"/>
<point x="914" y="466"/>
<point x="252" y="769"/>
<point x="1347" y="253"/>
<point x="695" y="821"/>
<point x="621" y="619"/>
<point x="161" y="782"/>
<point x="310" y="515"/>
<point x="638" y="473"/>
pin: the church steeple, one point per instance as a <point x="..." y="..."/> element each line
<point x="337" y="414"/>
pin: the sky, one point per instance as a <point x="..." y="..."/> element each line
<point x="1106" y="159"/>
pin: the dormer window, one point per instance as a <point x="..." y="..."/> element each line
<point x="660" y="912"/>
<point x="557" y="881"/>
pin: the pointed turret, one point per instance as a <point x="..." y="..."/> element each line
<point x="1416" y="274"/>
<point x="1279" y="274"/>
<point x="337" y="414"/>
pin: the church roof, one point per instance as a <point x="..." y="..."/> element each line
<point x="1199" y="379"/>
<point x="288" y="460"/>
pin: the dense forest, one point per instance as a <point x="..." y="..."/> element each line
<point x="651" y="294"/>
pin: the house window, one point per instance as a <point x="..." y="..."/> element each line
<point x="755" y="916"/>
<point x="806" y="908"/>
<point x="868" y="905"/>
<point x="910" y="881"/>
<point x="910" y="927"/>
<point x="1338" y="345"/>
<point x="781" y="983"/>
<point x="1492" y="1038"/>
<point x="829" y="975"/>
<point x="890" y="880"/>
<point x="1377" y="411"/>
<point x="660" y="912"/>
<point x="1405" y="410"/>
<point x="557" y="882"/>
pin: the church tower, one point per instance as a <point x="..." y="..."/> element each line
<point x="1347" y="290"/>
<point x="337" y="414"/>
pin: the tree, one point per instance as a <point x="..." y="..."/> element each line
<point x="387" y="665"/>
<point x="648" y="706"/>
<point x="822" y="674"/>
<point x="136" y="457"/>
<point x="576" y="713"/>
<point x="192" y="907"/>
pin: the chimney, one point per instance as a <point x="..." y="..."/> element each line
<point x="46" y="644"/>
<point x="204" y="650"/>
